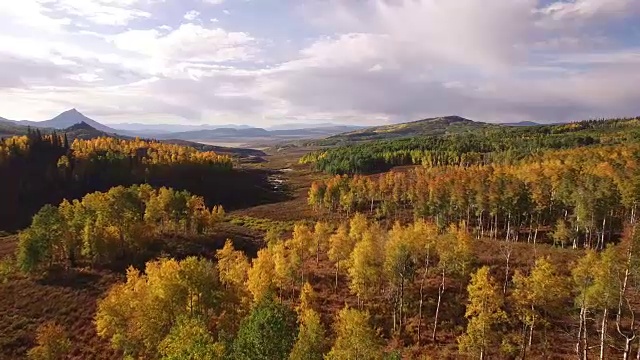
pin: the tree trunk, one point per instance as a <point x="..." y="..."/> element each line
<point x="524" y="342"/>
<point x="585" y="338"/>
<point x="604" y="225"/>
<point x="603" y="332"/>
<point x="337" y="269"/>
<point x="581" y="348"/>
<point x="401" y="322"/>
<point x="422" y="281"/>
<point x="440" y="291"/>
<point x="627" y="348"/>
<point x="506" y="272"/>
<point x="533" y="321"/>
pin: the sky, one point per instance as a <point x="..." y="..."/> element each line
<point x="358" y="62"/>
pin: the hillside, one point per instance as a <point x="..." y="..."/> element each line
<point x="8" y="128"/>
<point x="432" y="126"/>
<point x="84" y="131"/>
<point x="465" y="142"/>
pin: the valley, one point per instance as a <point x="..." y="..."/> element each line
<point x="400" y="237"/>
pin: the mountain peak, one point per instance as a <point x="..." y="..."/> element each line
<point x="450" y="118"/>
<point x="71" y="112"/>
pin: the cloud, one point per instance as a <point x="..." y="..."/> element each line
<point x="191" y="15"/>
<point x="104" y="12"/>
<point x="588" y="9"/>
<point x="349" y="61"/>
<point x="189" y="42"/>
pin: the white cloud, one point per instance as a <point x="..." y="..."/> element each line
<point x="30" y="13"/>
<point x="190" y="42"/>
<point x="585" y="9"/>
<point x="104" y="12"/>
<point x="213" y="2"/>
<point x="191" y="15"/>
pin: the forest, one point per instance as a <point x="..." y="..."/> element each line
<point x="44" y="169"/>
<point x="586" y="195"/>
<point x="477" y="146"/>
<point x="509" y="243"/>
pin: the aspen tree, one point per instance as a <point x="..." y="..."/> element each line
<point x="365" y="265"/>
<point x="233" y="266"/>
<point x="355" y="337"/>
<point x="340" y="247"/>
<point x="321" y="233"/>
<point x="261" y="275"/>
<point x="484" y="311"/>
<point x="535" y="296"/>
<point x="455" y="254"/>
<point x="402" y="253"/>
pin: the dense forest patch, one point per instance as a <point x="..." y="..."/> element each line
<point x="44" y="169"/>
<point x="489" y="145"/>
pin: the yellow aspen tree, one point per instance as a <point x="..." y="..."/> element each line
<point x="606" y="291"/>
<point x="285" y="273"/>
<point x="311" y="341"/>
<point x="357" y="226"/>
<point x="455" y="254"/>
<point x="321" y="233"/>
<point x="485" y="313"/>
<point x="365" y="265"/>
<point x="261" y="275"/>
<point x="583" y="279"/>
<point x="340" y="248"/>
<point x="307" y="298"/>
<point x="299" y="244"/>
<point x="401" y="259"/>
<point x="355" y="339"/>
<point x="52" y="343"/>
<point x="426" y="234"/>
<point x="535" y="296"/>
<point x="233" y="266"/>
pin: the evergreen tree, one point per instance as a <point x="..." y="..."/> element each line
<point x="269" y="332"/>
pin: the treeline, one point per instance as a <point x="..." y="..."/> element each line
<point x="105" y="226"/>
<point x="400" y="283"/>
<point x="43" y="169"/>
<point x="585" y="195"/>
<point x="489" y="145"/>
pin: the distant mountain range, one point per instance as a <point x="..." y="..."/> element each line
<point x="204" y="133"/>
<point x="80" y="126"/>
<point x="170" y="128"/>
